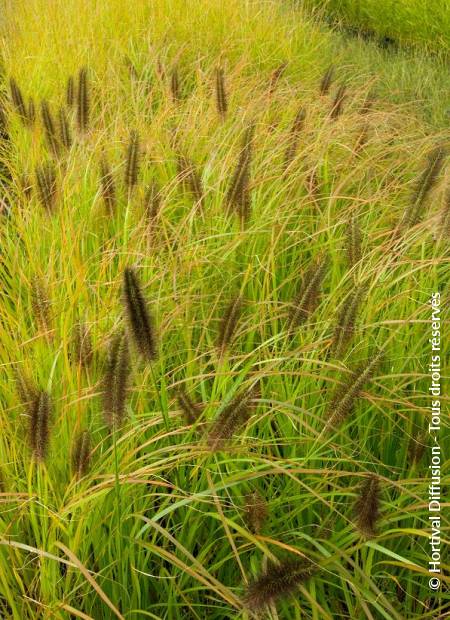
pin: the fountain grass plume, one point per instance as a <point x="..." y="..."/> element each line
<point x="82" y="350"/>
<point x="26" y="390"/>
<point x="175" y="87"/>
<point x="445" y="217"/>
<point x="81" y="453"/>
<point x="238" y="196"/>
<point x="275" y="77"/>
<point x="39" y="425"/>
<point x="46" y="183"/>
<point x="152" y="202"/>
<point x="221" y="93"/>
<point x="308" y="297"/>
<point x="256" y="511"/>
<point x="31" y="111"/>
<point x="296" y="128"/>
<point x="229" y="323"/>
<point x="49" y="127"/>
<point x="18" y="100"/>
<point x="353" y="242"/>
<point x="83" y="101"/>
<point x="41" y="304"/>
<point x="345" y="324"/>
<point x="367" y="506"/>
<point x="139" y="321"/>
<point x="115" y="381"/>
<point x="326" y="80"/>
<point x="190" y="178"/>
<point x="276" y="582"/>
<point x="65" y="136"/>
<point x="338" y="102"/>
<point x="416" y="447"/>
<point x="70" y="92"/>
<point x="132" y="160"/>
<point x="230" y="419"/>
<point x="191" y="410"/>
<point x="346" y="395"/>
<point x="107" y="186"/>
<point x="425" y="184"/>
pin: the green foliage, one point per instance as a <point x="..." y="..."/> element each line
<point x="425" y="23"/>
<point x="184" y="442"/>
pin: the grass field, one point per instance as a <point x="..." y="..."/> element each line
<point x="217" y="260"/>
<point x="424" y="24"/>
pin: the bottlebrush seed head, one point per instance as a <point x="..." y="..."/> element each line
<point x="346" y="395"/>
<point x="326" y="80"/>
<point x="82" y="345"/>
<point x="338" y="102"/>
<point x="232" y="417"/>
<point x="18" y="100"/>
<point x="132" y="160"/>
<point x="221" y="94"/>
<point x="229" y="323"/>
<point x="256" y="511"/>
<point x="140" y="322"/>
<point x="41" y="304"/>
<point x="49" y="127"/>
<point x="70" y="92"/>
<point x="238" y="196"/>
<point x="46" y="183"/>
<point x="191" y="410"/>
<point x="31" y="112"/>
<point x="276" y="76"/>
<point x="309" y="294"/>
<point x="115" y="382"/>
<point x="81" y="453"/>
<point x="190" y="177"/>
<point x="277" y="581"/>
<point x="353" y="241"/>
<point x="296" y="128"/>
<point x="367" y="506"/>
<point x="39" y="425"/>
<point x="152" y="204"/>
<point x="26" y="390"/>
<point x="175" y="87"/>
<point x="345" y="325"/>
<point x="107" y="186"/>
<point x="83" y="102"/>
<point x="425" y="184"/>
<point x="64" y="129"/>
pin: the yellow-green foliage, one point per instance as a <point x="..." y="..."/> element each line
<point x="414" y="22"/>
<point x="137" y="504"/>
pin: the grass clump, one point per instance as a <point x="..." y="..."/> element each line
<point x="206" y="233"/>
<point x="424" y="24"/>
